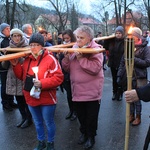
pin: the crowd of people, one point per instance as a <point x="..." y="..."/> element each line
<point x="35" y="92"/>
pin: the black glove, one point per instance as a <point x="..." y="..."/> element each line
<point x="119" y="81"/>
<point x="136" y="60"/>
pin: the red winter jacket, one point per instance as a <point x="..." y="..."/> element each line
<point x="50" y="75"/>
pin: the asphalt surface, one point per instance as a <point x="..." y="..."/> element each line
<point x="110" y="134"/>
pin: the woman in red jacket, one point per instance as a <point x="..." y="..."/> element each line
<point x="48" y="78"/>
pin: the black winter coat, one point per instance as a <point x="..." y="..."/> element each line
<point x="141" y="62"/>
<point x="4" y="42"/>
<point x="144" y="93"/>
<point x="66" y="74"/>
<point x="116" y="49"/>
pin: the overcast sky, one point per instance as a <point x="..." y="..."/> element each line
<point x="84" y="5"/>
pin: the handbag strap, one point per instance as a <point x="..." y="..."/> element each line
<point x="28" y="66"/>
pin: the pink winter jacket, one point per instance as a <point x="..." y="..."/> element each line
<point x="86" y="75"/>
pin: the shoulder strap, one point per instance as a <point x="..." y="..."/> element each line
<point x="28" y="66"/>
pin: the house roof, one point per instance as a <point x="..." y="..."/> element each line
<point x="112" y="21"/>
<point x="55" y="18"/>
<point x="129" y="18"/>
<point x="88" y="21"/>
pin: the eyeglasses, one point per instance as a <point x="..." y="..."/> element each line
<point x="15" y="36"/>
<point x="34" y="45"/>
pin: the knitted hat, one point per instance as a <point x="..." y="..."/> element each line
<point x="16" y="31"/>
<point x="120" y="29"/>
<point x="37" y="38"/>
<point x="3" y="26"/>
<point x="137" y="32"/>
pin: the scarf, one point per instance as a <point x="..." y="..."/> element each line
<point x="22" y="43"/>
<point x="39" y="53"/>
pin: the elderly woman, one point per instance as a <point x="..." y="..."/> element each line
<point x="40" y="95"/>
<point x="13" y="84"/>
<point x="86" y="74"/>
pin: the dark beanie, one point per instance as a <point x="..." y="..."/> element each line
<point x="3" y="26"/>
<point x="37" y="38"/>
<point x="120" y="29"/>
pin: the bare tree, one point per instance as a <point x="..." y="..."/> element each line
<point x="105" y="19"/>
<point x="73" y="17"/>
<point x="147" y="7"/>
<point x="121" y="7"/>
<point x="2" y="16"/>
<point x="118" y="10"/>
<point x="62" y="11"/>
<point x="32" y="15"/>
<point x="115" y="10"/>
<point x="11" y="11"/>
<point x="126" y="8"/>
<point x="102" y="14"/>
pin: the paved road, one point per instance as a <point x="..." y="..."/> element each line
<point x="110" y="134"/>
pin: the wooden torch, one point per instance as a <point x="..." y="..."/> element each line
<point x="129" y="62"/>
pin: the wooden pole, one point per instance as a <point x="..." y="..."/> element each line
<point x="129" y="62"/>
<point x="21" y="52"/>
<point x="64" y="45"/>
<point x="14" y="55"/>
<point x="81" y="50"/>
<point x="69" y="45"/>
<point x="104" y="37"/>
<point x="9" y="49"/>
<point x="57" y="49"/>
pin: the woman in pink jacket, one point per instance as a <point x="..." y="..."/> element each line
<point x="42" y="101"/>
<point x="87" y="78"/>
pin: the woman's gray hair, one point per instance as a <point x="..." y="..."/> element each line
<point x="85" y="29"/>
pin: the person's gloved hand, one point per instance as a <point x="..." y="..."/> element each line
<point x="136" y="60"/>
<point x="119" y="81"/>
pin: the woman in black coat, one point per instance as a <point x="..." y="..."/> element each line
<point x="68" y="37"/>
<point x="115" y="47"/>
<point x="141" y="62"/>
